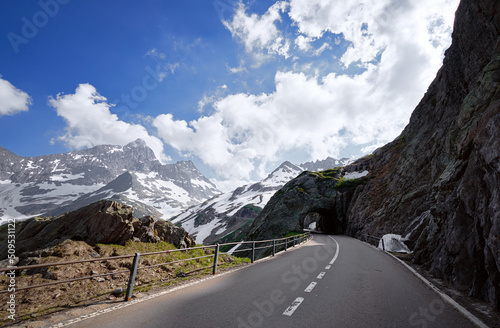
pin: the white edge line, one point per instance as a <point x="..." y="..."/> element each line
<point x="448" y="299"/>
<point x="139" y="300"/>
<point x="68" y="322"/>
<point x="289" y="310"/>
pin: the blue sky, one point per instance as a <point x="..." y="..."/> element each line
<point x="237" y="87"/>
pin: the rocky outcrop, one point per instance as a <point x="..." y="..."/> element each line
<point x="227" y="216"/>
<point x="106" y="222"/>
<point x="173" y="234"/>
<point x="439" y="182"/>
<point x="311" y="197"/>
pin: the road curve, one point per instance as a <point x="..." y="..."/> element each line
<point x="332" y="281"/>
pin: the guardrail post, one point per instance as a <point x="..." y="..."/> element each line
<point x="286" y="244"/>
<point x="294" y="240"/>
<point x="383" y="244"/>
<point x="131" y="280"/>
<point x="274" y="247"/>
<point x="253" y="251"/>
<point x="216" y="258"/>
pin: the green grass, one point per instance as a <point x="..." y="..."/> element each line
<point x="330" y="174"/>
<point x="350" y="183"/>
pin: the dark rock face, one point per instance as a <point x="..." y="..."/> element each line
<point x="322" y="198"/>
<point x="439" y="182"/>
<point x="288" y="208"/>
<point x="106" y="222"/>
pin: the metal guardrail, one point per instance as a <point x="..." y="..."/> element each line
<point x="287" y="241"/>
<point x="375" y="239"/>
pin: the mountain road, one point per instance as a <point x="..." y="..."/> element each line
<point x="331" y="281"/>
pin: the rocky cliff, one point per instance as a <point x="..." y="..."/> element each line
<point x="106" y="222"/>
<point x="437" y="184"/>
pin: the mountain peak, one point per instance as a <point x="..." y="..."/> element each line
<point x="68" y="181"/>
<point x="136" y="144"/>
<point x="321" y="165"/>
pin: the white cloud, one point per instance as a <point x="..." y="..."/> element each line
<point x="208" y="100"/>
<point x="90" y="122"/>
<point x="162" y="68"/>
<point x="400" y="47"/>
<point x="12" y="100"/>
<point x="239" y="69"/>
<point x="259" y="34"/>
<point x="372" y="26"/>
<point x="303" y="42"/>
<point x="156" y="54"/>
<point x="171" y="67"/>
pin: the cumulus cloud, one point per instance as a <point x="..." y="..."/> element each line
<point x="399" y="46"/>
<point x="316" y="116"/>
<point x="259" y="34"/>
<point x="12" y="100"/>
<point x="372" y="26"/>
<point x="90" y="122"/>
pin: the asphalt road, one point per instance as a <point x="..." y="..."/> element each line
<point x="332" y="281"/>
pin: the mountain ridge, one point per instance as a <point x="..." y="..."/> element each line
<point x="226" y="215"/>
<point x="54" y="184"/>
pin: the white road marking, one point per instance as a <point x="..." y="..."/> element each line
<point x="310" y="287"/>
<point x="336" y="252"/>
<point x="289" y="311"/>
<point x="447" y="298"/>
<point x="328" y="267"/>
<point x="321" y="275"/>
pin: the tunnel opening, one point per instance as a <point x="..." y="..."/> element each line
<point x="325" y="221"/>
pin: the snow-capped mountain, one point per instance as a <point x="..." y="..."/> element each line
<point x="55" y="184"/>
<point x="325" y="164"/>
<point x="228" y="213"/>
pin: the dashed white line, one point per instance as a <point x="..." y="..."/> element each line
<point x="289" y="311"/>
<point x="310" y="287"/>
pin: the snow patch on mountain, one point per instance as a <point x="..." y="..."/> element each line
<point x="226" y="213"/>
<point x="55" y="184"/>
<point x="355" y="175"/>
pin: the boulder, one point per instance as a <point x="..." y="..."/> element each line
<point x="170" y="233"/>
